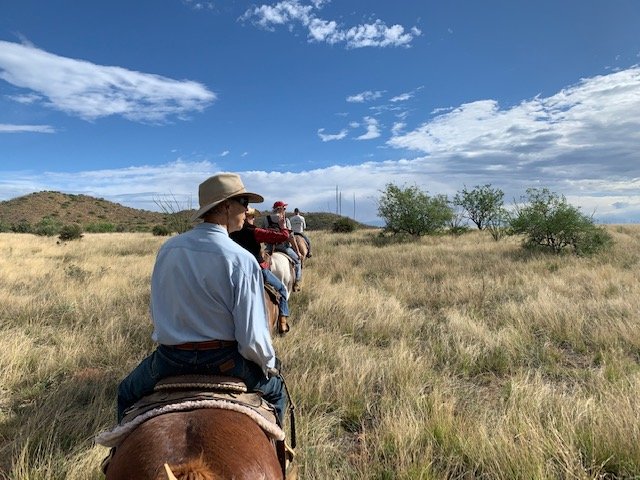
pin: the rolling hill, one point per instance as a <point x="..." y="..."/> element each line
<point x="92" y="213"/>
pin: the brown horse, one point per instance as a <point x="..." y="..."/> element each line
<point x="272" y="310"/>
<point x="203" y="444"/>
<point x="300" y="247"/>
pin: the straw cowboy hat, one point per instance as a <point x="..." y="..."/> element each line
<point x="252" y="212"/>
<point x="221" y="187"/>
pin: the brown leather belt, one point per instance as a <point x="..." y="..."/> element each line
<point x="208" y="345"/>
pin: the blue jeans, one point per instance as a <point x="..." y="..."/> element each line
<point x="275" y="282"/>
<point x="296" y="260"/>
<point x="167" y="362"/>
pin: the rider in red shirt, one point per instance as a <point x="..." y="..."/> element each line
<point x="251" y="238"/>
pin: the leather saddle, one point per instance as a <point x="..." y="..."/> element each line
<point x="200" y="388"/>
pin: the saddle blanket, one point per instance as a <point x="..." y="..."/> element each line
<point x="113" y="437"/>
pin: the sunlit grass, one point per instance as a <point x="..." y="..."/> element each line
<point x="449" y="357"/>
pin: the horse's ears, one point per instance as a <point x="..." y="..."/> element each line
<point x="170" y="475"/>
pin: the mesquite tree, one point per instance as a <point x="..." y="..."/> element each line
<point x="482" y="205"/>
<point x="409" y="210"/>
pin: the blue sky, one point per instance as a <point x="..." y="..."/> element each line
<point x="132" y="101"/>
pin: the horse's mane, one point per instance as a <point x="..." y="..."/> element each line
<point x="195" y="469"/>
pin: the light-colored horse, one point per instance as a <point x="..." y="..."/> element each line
<point x="283" y="268"/>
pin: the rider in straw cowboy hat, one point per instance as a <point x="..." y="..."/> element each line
<point x="207" y="305"/>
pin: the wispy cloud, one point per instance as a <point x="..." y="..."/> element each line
<point x="365" y="96"/>
<point x="292" y="12"/>
<point x="401" y="98"/>
<point x="397" y="128"/>
<point x="91" y="91"/>
<point x="327" y="137"/>
<point x="5" y="128"/>
<point x="373" y="131"/>
<point x="225" y="153"/>
<point x="196" y="5"/>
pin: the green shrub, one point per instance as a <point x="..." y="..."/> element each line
<point x="70" y="232"/>
<point x="411" y="211"/>
<point x="343" y="225"/>
<point x="21" y="227"/>
<point x="47" y="227"/>
<point x="549" y="222"/>
<point x="160" y="231"/>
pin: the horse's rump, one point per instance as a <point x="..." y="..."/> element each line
<point x="199" y="434"/>
<point x="300" y="247"/>
<point x="282" y="267"/>
<point x="198" y="444"/>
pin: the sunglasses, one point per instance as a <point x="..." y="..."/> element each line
<point x="244" y="201"/>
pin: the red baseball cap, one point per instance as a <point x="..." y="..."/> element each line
<point x="279" y="203"/>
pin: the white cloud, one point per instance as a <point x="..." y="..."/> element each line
<point x="6" y="128"/>
<point x="401" y="98"/>
<point x="90" y="91"/>
<point x="373" y="131"/>
<point x="365" y="96"/>
<point x="397" y="128"/>
<point x="585" y="116"/>
<point x="291" y="12"/>
<point x="582" y="142"/>
<point x="327" y="137"/>
<point x="26" y="99"/>
<point x="225" y="153"/>
<point x="378" y="34"/>
<point x="199" y="5"/>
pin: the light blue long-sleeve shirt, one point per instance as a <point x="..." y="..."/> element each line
<point x="205" y="286"/>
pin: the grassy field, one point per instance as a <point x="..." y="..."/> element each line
<point x="449" y="358"/>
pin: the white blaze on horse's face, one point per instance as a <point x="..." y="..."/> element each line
<point x="170" y="475"/>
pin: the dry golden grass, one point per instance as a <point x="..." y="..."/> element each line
<point x="450" y="357"/>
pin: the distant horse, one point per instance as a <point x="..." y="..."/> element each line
<point x="282" y="267"/>
<point x="300" y="247"/>
<point x="203" y="444"/>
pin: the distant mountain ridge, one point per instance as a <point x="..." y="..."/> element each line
<point x="81" y="209"/>
<point x="86" y="211"/>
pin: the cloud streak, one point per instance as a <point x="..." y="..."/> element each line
<point x="292" y="12"/>
<point x="365" y="96"/>
<point x="328" y="137"/>
<point x="89" y="91"/>
<point x="6" y="128"/>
